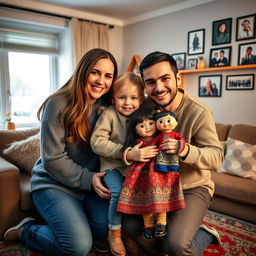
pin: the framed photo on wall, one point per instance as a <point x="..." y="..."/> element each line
<point x="247" y="53"/>
<point x="210" y="86"/>
<point x="192" y="63"/>
<point x="180" y="60"/>
<point x="220" y="57"/>
<point x="196" y="41"/>
<point x="240" y="82"/>
<point x="221" y="31"/>
<point x="245" y="27"/>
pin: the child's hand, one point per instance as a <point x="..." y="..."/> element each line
<point x="142" y="154"/>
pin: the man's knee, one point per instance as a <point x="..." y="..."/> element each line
<point x="177" y="247"/>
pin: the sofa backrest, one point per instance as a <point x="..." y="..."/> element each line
<point x="242" y="132"/>
<point x="9" y="136"/>
<point x="222" y="131"/>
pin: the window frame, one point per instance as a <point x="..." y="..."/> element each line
<point x="6" y="87"/>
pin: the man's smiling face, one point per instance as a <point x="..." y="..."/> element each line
<point x="161" y="83"/>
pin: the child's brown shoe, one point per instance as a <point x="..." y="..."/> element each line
<point x="116" y="243"/>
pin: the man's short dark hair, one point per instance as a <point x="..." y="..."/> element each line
<point x="249" y="48"/>
<point x="156" y="57"/>
<point x="246" y="21"/>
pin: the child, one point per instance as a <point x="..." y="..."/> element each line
<point x="107" y="140"/>
<point x="145" y="190"/>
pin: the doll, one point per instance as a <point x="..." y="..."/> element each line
<point x="166" y="122"/>
<point x="146" y="191"/>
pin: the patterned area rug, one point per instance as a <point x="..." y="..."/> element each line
<point x="238" y="237"/>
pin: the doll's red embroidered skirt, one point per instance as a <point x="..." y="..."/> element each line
<point x="146" y="190"/>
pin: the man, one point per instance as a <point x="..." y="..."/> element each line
<point x="202" y="153"/>
<point x="195" y="42"/>
<point x="247" y="30"/>
<point x="223" y="61"/>
<point x="249" y="58"/>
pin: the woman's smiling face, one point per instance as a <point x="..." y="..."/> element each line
<point x="100" y="79"/>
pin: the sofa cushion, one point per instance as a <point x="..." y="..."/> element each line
<point x="24" y="153"/>
<point x="240" y="159"/>
<point x="9" y="136"/>
<point x="234" y="188"/>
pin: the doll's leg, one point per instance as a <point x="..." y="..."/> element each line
<point x="148" y="229"/>
<point x="161" y="229"/>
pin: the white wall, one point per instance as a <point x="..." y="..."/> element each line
<point x="169" y="32"/>
<point x="116" y="45"/>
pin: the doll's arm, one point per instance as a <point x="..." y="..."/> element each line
<point x="182" y="143"/>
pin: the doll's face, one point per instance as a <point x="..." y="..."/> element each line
<point x="146" y="129"/>
<point x="166" y="123"/>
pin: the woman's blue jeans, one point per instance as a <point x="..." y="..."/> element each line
<point x="114" y="181"/>
<point x="72" y="224"/>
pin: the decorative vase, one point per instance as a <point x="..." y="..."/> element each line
<point x="201" y="64"/>
<point x="10" y="126"/>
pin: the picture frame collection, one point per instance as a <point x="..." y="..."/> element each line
<point x="221" y="35"/>
<point x="211" y="85"/>
<point x="220" y="55"/>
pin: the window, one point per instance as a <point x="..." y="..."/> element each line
<point x="30" y="84"/>
<point x="29" y="74"/>
<point x="35" y="59"/>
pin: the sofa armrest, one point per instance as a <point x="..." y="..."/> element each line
<point x="9" y="195"/>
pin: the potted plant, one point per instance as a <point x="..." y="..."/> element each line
<point x="8" y="121"/>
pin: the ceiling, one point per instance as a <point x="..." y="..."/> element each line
<point x="128" y="11"/>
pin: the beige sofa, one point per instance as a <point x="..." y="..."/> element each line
<point x="234" y="195"/>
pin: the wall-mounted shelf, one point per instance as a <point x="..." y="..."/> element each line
<point x="220" y="69"/>
<point x="135" y="61"/>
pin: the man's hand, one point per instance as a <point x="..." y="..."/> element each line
<point x="102" y="191"/>
<point x="171" y="146"/>
<point x="142" y="154"/>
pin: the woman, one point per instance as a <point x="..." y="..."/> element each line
<point x="222" y="35"/>
<point x="64" y="179"/>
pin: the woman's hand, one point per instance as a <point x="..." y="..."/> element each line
<point x="141" y="154"/>
<point x="102" y="191"/>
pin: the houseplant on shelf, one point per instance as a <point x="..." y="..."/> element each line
<point x="9" y="125"/>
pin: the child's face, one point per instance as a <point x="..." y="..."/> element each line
<point x="127" y="99"/>
<point x="166" y="123"/>
<point x="146" y="129"/>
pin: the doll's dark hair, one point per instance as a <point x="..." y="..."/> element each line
<point x="160" y="112"/>
<point x="137" y="117"/>
<point x="165" y="113"/>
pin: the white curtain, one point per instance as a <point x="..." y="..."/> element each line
<point x="86" y="36"/>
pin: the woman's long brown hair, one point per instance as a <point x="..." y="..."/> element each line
<point x="75" y="117"/>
